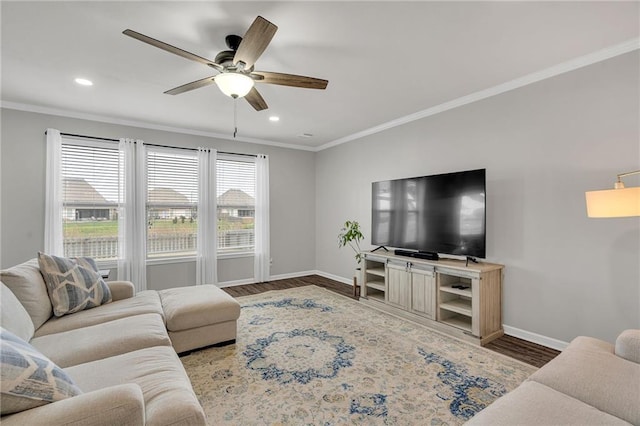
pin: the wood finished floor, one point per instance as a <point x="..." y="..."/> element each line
<point x="513" y="347"/>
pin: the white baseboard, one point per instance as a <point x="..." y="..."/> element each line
<point x="292" y="275"/>
<point x="236" y="282"/>
<point x="535" y="338"/>
<point x="348" y="281"/>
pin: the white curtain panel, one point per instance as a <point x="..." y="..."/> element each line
<point x="262" y="257"/>
<point x="53" y="193"/>
<point x="207" y="238"/>
<point x="132" y="217"/>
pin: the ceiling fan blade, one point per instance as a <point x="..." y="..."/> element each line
<point x="172" y="49"/>
<point x="254" y="42"/>
<point x="255" y="100"/>
<point x="290" y="80"/>
<point x="191" y="86"/>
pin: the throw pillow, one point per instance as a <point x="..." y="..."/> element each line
<point x="73" y="284"/>
<point x="29" y="379"/>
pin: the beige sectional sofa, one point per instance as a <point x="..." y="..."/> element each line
<point x="591" y="382"/>
<point x="119" y="354"/>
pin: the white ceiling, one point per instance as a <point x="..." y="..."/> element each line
<point x="384" y="60"/>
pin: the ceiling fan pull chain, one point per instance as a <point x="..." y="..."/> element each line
<point x="235" y="117"/>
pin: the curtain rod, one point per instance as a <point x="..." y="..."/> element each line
<point x="147" y="144"/>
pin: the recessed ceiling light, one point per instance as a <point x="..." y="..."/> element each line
<point x="274" y="118"/>
<point x="84" y="82"/>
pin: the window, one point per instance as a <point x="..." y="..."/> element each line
<point x="172" y="202"/>
<point x="236" y="181"/>
<point x="92" y="189"/>
<point x="90" y="178"/>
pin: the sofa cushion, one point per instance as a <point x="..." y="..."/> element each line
<point x="73" y="284"/>
<point x="589" y="371"/>
<point x="144" y="302"/>
<point x="121" y="405"/>
<point x="27" y="284"/>
<point x="13" y="316"/>
<point x="628" y="345"/>
<point x="99" y="341"/>
<point x="535" y="404"/>
<point x="29" y="379"/>
<point x="168" y="396"/>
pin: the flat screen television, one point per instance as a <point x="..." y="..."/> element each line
<point x="443" y="213"/>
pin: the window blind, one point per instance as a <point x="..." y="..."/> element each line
<point x="90" y="193"/>
<point x="237" y="175"/>
<point x="172" y="201"/>
<point x="236" y="189"/>
<point x="90" y="174"/>
<point x="172" y="178"/>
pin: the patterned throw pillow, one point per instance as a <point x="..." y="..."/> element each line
<point x="73" y="284"/>
<point x="28" y="378"/>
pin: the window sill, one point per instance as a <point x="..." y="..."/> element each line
<point x="169" y="260"/>
<point x="185" y="259"/>
<point x="236" y="255"/>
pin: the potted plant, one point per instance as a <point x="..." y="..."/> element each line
<point x="351" y="235"/>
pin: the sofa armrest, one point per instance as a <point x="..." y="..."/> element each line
<point x="628" y="345"/>
<point x="121" y="405"/>
<point x="121" y="289"/>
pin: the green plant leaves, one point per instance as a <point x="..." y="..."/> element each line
<point x="351" y="235"/>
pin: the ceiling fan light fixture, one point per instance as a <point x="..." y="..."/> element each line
<point x="234" y="85"/>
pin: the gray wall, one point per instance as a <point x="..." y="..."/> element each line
<point x="22" y="149"/>
<point x="543" y="146"/>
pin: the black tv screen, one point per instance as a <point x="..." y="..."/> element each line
<point x="443" y="213"/>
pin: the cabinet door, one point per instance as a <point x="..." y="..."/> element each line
<point x="423" y="293"/>
<point x="398" y="286"/>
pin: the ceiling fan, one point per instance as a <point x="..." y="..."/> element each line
<point x="236" y="77"/>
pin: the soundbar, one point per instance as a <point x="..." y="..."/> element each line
<point x="427" y="255"/>
<point x="417" y="254"/>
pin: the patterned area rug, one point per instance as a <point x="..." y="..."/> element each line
<point x="310" y="356"/>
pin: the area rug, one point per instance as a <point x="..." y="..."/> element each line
<point x="310" y="356"/>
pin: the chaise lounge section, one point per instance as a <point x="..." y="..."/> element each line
<point x="119" y="355"/>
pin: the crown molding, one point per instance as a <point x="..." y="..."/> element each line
<point x="143" y="125"/>
<point x="564" y="67"/>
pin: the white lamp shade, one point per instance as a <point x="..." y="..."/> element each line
<point x="234" y="85"/>
<point x="623" y="202"/>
